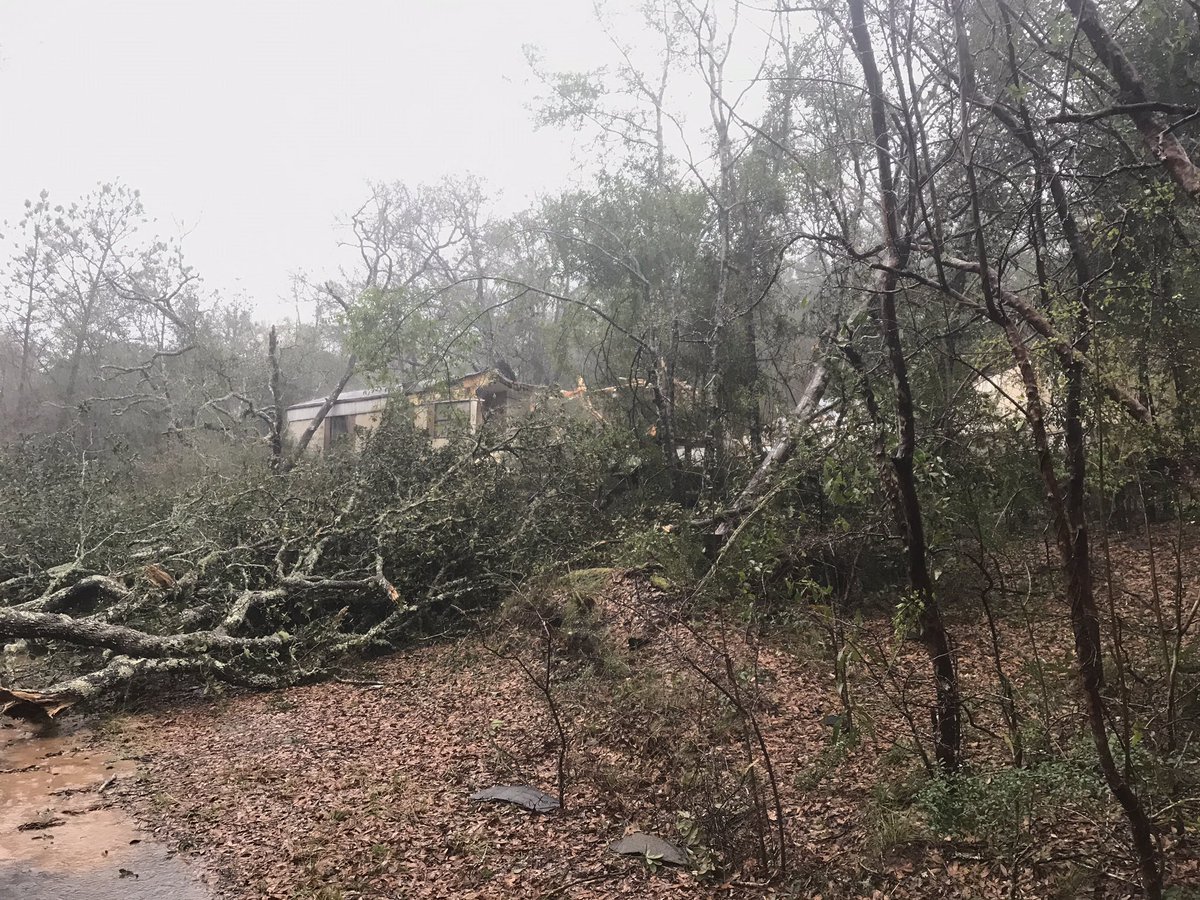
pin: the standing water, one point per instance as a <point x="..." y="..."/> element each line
<point x="62" y="837"/>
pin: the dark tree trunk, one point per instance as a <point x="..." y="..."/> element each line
<point x="1067" y="505"/>
<point x="947" y="736"/>
<point x="279" y="419"/>
<point x="1159" y="140"/>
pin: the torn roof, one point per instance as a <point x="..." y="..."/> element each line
<point x="417" y="387"/>
<point x="345" y="397"/>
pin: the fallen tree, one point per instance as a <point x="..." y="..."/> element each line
<point x="807" y="409"/>
<point x="269" y="579"/>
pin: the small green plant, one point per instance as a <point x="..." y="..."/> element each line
<point x="704" y="860"/>
<point x="830" y="758"/>
<point x="571" y="605"/>
<point x="1002" y="808"/>
<point x="889" y="831"/>
<point x="673" y="551"/>
<point x="908" y="613"/>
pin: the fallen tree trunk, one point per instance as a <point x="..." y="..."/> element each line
<point x="139" y="654"/>
<point x="283" y="465"/>
<point x="806" y="411"/>
<point x="40" y="706"/>
<point x="92" y="633"/>
<point x="87" y="588"/>
<point x="261" y="662"/>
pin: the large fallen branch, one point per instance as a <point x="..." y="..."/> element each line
<point x="16" y="623"/>
<point x="245" y="662"/>
<point x="86" y="589"/>
<point x="267" y="581"/>
<point x="807" y="410"/>
<point x="121" y="670"/>
<point x="286" y="465"/>
<point x="784" y="447"/>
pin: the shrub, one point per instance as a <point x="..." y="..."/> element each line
<point x="1002" y="808"/>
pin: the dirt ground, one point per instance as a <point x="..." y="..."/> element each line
<point x="360" y="790"/>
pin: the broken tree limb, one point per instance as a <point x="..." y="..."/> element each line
<point x="33" y="706"/>
<point x="120" y="670"/>
<point x="235" y="619"/>
<point x="802" y="416"/>
<point x="307" y="436"/>
<point x="87" y="588"/>
<point x="13" y="586"/>
<point x="247" y="601"/>
<point x="781" y="451"/>
<point x="91" y="633"/>
<point x="378" y="637"/>
<point x="1034" y="318"/>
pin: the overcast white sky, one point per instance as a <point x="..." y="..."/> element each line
<point x="252" y="125"/>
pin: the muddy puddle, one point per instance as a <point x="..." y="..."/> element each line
<point x="63" y="838"/>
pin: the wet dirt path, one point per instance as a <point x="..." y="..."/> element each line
<point x="63" y="838"/>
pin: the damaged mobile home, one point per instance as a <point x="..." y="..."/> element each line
<point x="439" y="407"/>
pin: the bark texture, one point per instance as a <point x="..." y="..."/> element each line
<point x="1156" y="134"/>
<point x="945" y="713"/>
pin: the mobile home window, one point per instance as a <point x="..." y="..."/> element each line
<point x="448" y="415"/>
<point x="338" y="428"/>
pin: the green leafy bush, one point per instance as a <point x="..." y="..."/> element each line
<point x="1001" y="808"/>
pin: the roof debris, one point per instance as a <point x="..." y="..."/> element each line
<point x="520" y="794"/>
<point x="652" y="847"/>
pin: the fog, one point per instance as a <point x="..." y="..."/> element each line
<point x="252" y="127"/>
